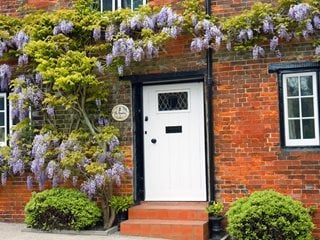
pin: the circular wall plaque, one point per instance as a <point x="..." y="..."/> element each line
<point x="120" y="112"/>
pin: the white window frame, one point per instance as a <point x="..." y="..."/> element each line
<point x="301" y="142"/>
<point x="5" y="111"/>
<point x="119" y="4"/>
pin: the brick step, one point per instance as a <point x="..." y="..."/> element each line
<point x="170" y="211"/>
<point x="166" y="229"/>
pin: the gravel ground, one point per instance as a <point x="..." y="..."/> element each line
<point x="14" y="231"/>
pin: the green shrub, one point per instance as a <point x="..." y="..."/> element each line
<point x="60" y="208"/>
<point x="268" y="215"/>
<point x="121" y="203"/>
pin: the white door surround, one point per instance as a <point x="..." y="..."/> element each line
<point x="174" y="142"/>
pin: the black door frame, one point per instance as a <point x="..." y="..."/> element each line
<point x="137" y="82"/>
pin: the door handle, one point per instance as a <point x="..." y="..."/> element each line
<point x="153" y="140"/>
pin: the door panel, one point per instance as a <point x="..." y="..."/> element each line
<point x="174" y="149"/>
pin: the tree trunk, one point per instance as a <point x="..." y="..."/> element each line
<point x="108" y="213"/>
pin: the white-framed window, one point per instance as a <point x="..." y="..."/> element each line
<point x="3" y="119"/>
<point x="300" y="109"/>
<point x="112" y="5"/>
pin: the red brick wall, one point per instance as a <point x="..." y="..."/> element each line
<point x="248" y="154"/>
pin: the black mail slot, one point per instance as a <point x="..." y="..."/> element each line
<point x="174" y="129"/>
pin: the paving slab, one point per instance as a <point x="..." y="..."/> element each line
<point x="17" y="231"/>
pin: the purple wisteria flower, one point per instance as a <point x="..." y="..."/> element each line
<point x="268" y="25"/>
<point x="3" y="48"/>
<point x="149" y="22"/>
<point x="100" y="180"/>
<point x="198" y="44"/>
<point x="283" y="34"/>
<point x="274" y="43"/>
<point x="97" y="34"/>
<point x="98" y="103"/>
<point x="102" y="121"/>
<point x="20" y="39"/>
<point x="99" y="67"/>
<point x="151" y="50"/>
<point x="138" y="54"/>
<point x="50" y="110"/>
<point x="38" y="78"/>
<point x="89" y="187"/>
<point x="299" y="12"/>
<point x="29" y="182"/>
<point x="66" y="174"/>
<point x="308" y="30"/>
<point x="5" y="76"/>
<point x="120" y="70"/>
<point x="316" y="21"/>
<point x="23" y="59"/>
<point x="110" y="31"/>
<point x="3" y="178"/>
<point x="51" y="169"/>
<point x="194" y="20"/>
<point x="317" y="50"/>
<point x="114" y="142"/>
<point x="55" y="181"/>
<point x="66" y="26"/>
<point x="109" y="59"/>
<point x="135" y="23"/>
<point x="116" y="172"/>
<point x="257" y="52"/>
<point x="74" y="181"/>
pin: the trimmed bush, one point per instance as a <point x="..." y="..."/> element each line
<point x="269" y="215"/>
<point x="61" y="208"/>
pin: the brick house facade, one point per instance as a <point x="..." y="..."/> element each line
<point x="250" y="151"/>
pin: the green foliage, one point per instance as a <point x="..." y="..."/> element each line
<point x="215" y="209"/>
<point x="268" y="215"/>
<point x="60" y="208"/>
<point x="121" y="203"/>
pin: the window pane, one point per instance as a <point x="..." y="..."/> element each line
<point x="137" y="3"/>
<point x="1" y="103"/>
<point x="126" y="3"/>
<point x="1" y="119"/>
<point x="292" y="86"/>
<point x="307" y="107"/>
<point x="308" y="128"/>
<point x="294" y="129"/>
<point x="107" y="5"/>
<point x="173" y="101"/>
<point x="293" y="108"/>
<point x="2" y="134"/>
<point x="306" y="85"/>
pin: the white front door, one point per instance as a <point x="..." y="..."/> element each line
<point x="174" y="149"/>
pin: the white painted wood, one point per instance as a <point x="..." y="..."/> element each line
<point x="175" y="164"/>
<point x="303" y="141"/>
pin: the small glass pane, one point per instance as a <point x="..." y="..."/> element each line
<point x="307" y="107"/>
<point x="294" y="129"/>
<point x="107" y="5"/>
<point x="308" y="128"/>
<point x="1" y="119"/>
<point x="126" y="3"/>
<point x="1" y="103"/>
<point x="137" y="3"/>
<point x="306" y="85"/>
<point x="2" y="135"/>
<point x="293" y="108"/>
<point x="173" y="101"/>
<point x="293" y="86"/>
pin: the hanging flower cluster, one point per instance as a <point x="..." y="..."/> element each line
<point x="263" y="22"/>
